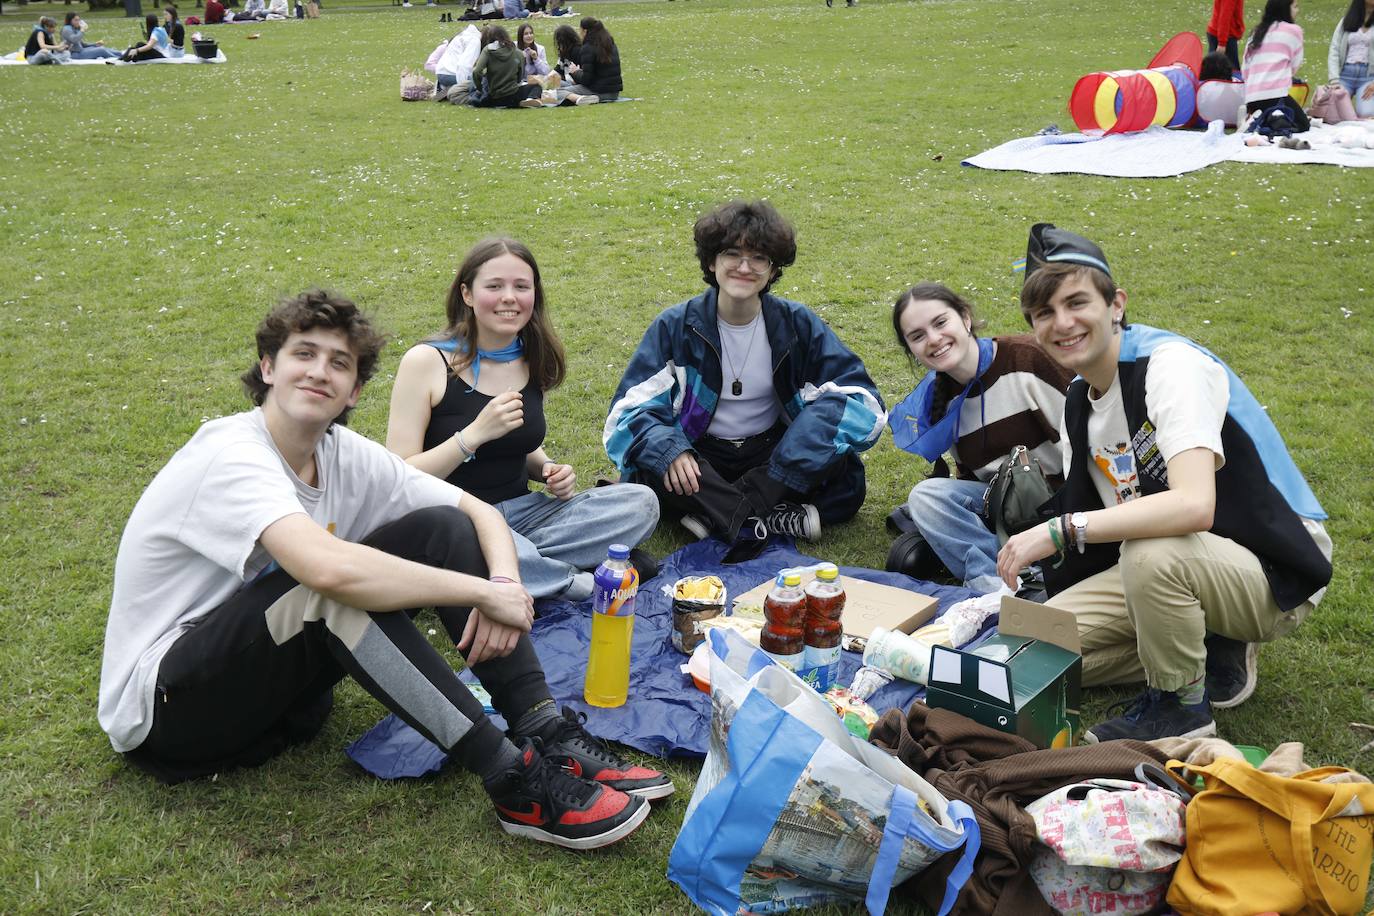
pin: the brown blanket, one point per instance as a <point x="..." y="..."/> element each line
<point x="996" y="774"/>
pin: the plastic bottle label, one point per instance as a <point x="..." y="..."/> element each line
<point x="615" y="591"/>
<point x="822" y="666"/>
<point x="792" y="662"/>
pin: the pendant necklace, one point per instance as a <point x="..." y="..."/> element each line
<point x="737" y="387"/>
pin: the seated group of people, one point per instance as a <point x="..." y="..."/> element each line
<point x="517" y="74"/>
<point x="509" y="9"/>
<point x="253" y="11"/>
<point x="164" y="39"/>
<point x="278" y="551"/>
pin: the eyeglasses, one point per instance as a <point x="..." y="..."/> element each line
<point x="732" y="258"/>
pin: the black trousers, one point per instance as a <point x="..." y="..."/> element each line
<point x="735" y="484"/>
<point x="255" y="675"/>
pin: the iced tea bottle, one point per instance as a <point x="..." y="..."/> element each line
<point x="824" y="608"/>
<point x="784" y="612"/>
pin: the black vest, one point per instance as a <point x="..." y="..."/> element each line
<point x="1250" y="510"/>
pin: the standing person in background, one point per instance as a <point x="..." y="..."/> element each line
<point x="596" y="71"/>
<point x="1272" y="58"/>
<point x="981" y="398"/>
<point x="1349" y="60"/>
<point x="42" y="47"/>
<point x="468" y="407"/>
<point x="744" y="411"/>
<point x="74" y="34"/>
<point x="1225" y="29"/>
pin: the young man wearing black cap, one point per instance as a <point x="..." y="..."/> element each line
<point x="1187" y="533"/>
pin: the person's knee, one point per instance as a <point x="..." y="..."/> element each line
<point x="929" y="496"/>
<point x="1146" y="560"/>
<point x="641" y="503"/>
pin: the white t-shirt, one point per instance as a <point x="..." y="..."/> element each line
<point x="192" y="540"/>
<point x="745" y="349"/>
<point x="1186" y="396"/>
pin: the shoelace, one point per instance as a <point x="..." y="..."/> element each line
<point x="570" y="730"/>
<point x="1133" y="708"/>
<point x="791" y="522"/>
<point x="554" y="786"/>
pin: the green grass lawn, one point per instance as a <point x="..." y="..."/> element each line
<point x="150" y="215"/>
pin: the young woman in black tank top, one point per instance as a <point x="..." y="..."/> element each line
<point x="468" y="406"/>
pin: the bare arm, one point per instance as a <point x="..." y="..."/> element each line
<point x="1186" y="507"/>
<point x="559" y="479"/>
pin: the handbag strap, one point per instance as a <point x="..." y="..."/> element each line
<point x="901" y="816"/>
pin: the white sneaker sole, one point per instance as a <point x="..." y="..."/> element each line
<point x="1251" y="677"/>
<point x="651" y="792"/>
<point x="813" y="523"/>
<point x="695" y="526"/>
<point x="619" y="832"/>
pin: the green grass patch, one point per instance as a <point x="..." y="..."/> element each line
<point x="150" y="215"/>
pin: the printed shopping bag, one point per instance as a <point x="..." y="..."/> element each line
<point x="791" y="810"/>
<point x="1258" y="842"/>
<point x="1110" y="845"/>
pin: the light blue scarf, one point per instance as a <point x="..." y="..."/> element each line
<point x="507" y="354"/>
<point x="912" y="428"/>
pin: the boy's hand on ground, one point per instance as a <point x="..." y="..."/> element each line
<point x="484" y="638"/>
<point x="560" y="479"/>
<point x="1021" y="550"/>
<point x="684" y="476"/>
<point x="509" y="605"/>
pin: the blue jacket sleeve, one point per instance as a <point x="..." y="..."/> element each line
<point x="836" y="409"/>
<point x="642" y="432"/>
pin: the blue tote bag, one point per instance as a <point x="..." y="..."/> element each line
<point x="791" y="810"/>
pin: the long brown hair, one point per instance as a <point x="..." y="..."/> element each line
<point x="543" y="350"/>
<point x="945" y="385"/>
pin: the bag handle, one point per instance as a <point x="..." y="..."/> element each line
<point x="901" y="815"/>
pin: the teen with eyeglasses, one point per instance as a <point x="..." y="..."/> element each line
<point x="743" y="410"/>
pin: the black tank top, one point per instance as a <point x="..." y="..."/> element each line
<point x="498" y="472"/>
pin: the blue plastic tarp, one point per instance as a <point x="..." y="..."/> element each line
<point x="665" y="715"/>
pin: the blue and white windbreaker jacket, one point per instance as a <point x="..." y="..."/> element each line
<point x="669" y="392"/>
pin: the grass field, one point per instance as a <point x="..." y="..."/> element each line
<point x="150" y="215"/>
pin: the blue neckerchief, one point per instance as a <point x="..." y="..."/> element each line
<point x="912" y="429"/>
<point x="507" y="354"/>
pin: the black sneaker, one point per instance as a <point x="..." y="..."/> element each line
<point x="1155" y="714"/>
<point x="541" y="800"/>
<point x="751" y="541"/>
<point x="584" y="756"/>
<point x="798" y="521"/>
<point x="645" y="563"/>
<point x="1232" y="667"/>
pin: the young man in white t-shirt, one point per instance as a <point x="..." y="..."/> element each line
<point x="241" y="575"/>
<point x="1186" y="534"/>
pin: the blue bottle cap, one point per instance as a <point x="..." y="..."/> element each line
<point x="618" y="552"/>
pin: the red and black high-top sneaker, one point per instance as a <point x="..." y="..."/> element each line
<point x="584" y="756"/>
<point x="540" y="799"/>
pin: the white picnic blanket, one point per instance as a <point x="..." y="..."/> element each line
<point x="1152" y="153"/>
<point x="1159" y="153"/>
<point x="14" y="60"/>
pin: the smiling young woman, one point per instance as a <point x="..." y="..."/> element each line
<point x="468" y="406"/>
<point x="980" y="399"/>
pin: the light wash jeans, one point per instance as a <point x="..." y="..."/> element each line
<point x="92" y="52"/>
<point x="1355" y="77"/>
<point x="558" y="540"/>
<point x="947" y="512"/>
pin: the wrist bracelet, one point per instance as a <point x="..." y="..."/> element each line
<point x="1070" y="534"/>
<point x="470" y="453"/>
<point x="505" y="579"/>
<point x="1056" y="536"/>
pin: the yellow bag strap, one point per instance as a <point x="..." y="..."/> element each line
<point x="1297" y="799"/>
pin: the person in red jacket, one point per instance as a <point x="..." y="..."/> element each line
<point x="214" y="12"/>
<point x="1226" y="27"/>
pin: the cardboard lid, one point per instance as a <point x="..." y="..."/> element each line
<point x="867" y="605"/>
<point x="1019" y="617"/>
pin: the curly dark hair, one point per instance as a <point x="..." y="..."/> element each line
<point x="745" y="224"/>
<point x="315" y="308"/>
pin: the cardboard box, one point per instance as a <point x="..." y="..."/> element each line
<point x="1026" y="680"/>
<point x="866" y="605"/>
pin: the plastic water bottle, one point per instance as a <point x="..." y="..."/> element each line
<point x="613" y="626"/>
<point x="784" y="612"/>
<point x="824" y="609"/>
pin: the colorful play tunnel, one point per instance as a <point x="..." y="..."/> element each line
<point x="1122" y="101"/>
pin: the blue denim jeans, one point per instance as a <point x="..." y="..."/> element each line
<point x="948" y="513"/>
<point x="558" y="540"/>
<point x="91" y="52"/>
<point x="1355" y="77"/>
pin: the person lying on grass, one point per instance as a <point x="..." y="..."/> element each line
<point x="468" y="406"/>
<point x="1185" y="533"/>
<point x="243" y="575"/>
<point x="744" y="411"/>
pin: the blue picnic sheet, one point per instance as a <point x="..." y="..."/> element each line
<point x="665" y="715"/>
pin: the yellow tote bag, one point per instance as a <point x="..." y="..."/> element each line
<point x="1259" y="842"/>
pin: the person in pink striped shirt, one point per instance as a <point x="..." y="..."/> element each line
<point x="1272" y="58"/>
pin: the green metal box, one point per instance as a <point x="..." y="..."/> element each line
<point x="1027" y="679"/>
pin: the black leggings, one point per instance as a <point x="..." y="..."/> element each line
<point x="254" y="676"/>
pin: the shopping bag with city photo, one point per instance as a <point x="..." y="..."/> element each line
<point x="791" y="810"/>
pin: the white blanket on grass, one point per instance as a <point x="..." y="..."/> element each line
<point x="13" y="60"/>
<point x="1160" y="153"/>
